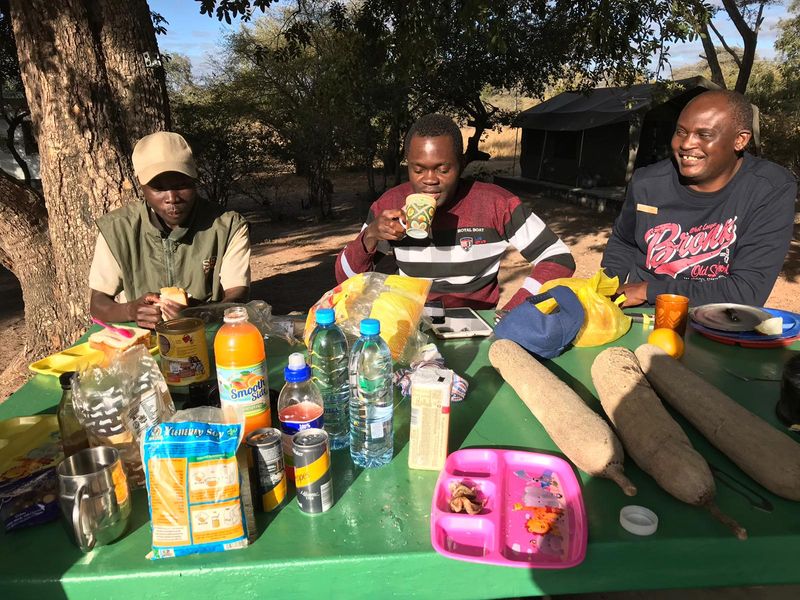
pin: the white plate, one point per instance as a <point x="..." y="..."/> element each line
<point x="726" y="316"/>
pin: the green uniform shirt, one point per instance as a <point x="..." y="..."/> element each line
<point x="189" y="257"/>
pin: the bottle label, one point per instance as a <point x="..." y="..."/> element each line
<point x="377" y="417"/>
<point x="245" y="387"/>
<point x="288" y="429"/>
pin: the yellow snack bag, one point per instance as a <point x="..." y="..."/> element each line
<point x="396" y="301"/>
<point x="605" y="321"/>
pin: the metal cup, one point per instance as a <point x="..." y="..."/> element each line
<point x="94" y="496"/>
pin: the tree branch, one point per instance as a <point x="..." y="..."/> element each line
<point x="738" y="20"/>
<point x="711" y="57"/>
<point x="728" y="49"/>
<point x="13" y="123"/>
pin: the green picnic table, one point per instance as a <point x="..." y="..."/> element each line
<point x="375" y="541"/>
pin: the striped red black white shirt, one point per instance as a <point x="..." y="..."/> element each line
<point x="468" y="237"/>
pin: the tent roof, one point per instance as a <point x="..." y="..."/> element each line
<point x="575" y="111"/>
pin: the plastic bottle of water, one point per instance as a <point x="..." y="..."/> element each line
<point x="299" y="406"/>
<point x="372" y="395"/>
<point x="328" y="357"/>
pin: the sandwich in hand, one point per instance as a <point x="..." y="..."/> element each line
<point x="176" y="295"/>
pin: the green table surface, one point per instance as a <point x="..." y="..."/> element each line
<point x="375" y="541"/>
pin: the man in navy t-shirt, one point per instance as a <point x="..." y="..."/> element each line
<point x="712" y="223"/>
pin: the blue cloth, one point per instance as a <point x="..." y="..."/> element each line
<point x="539" y="333"/>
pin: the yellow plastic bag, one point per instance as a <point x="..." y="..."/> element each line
<point x="394" y="300"/>
<point x="605" y="321"/>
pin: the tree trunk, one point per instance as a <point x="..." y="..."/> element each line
<point x="481" y="119"/>
<point x="91" y="97"/>
<point x="25" y="244"/>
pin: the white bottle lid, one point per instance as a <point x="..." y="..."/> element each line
<point x="296" y="361"/>
<point x="638" y="520"/>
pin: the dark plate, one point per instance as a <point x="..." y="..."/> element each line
<point x="753" y="339"/>
<point x="725" y="316"/>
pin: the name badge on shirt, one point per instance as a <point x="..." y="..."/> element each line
<point x="646" y="208"/>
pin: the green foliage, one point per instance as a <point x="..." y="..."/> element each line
<point x="382" y="63"/>
<point x="775" y="90"/>
<point x="228" y="146"/>
<point x="10" y="80"/>
<point x="788" y="44"/>
<point x="729" y="67"/>
<point x="311" y="90"/>
<point x="225" y="9"/>
<point x="442" y="54"/>
<point x="178" y="73"/>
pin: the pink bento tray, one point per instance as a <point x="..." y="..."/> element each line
<point x="533" y="517"/>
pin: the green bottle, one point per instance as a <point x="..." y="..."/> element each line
<point x="73" y="435"/>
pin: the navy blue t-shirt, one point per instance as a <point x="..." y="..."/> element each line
<point x="725" y="246"/>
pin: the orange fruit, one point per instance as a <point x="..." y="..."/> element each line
<point x="668" y="340"/>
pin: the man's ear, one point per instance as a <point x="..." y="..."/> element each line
<point x="742" y="139"/>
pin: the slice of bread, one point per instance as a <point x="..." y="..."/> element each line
<point x="111" y="343"/>
<point x="175" y="294"/>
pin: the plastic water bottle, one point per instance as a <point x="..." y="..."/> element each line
<point x="299" y="406"/>
<point x="372" y="395"/>
<point x="328" y="357"/>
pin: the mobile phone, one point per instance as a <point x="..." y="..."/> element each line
<point x="461" y="323"/>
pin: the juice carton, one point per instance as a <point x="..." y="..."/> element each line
<point x="430" y="418"/>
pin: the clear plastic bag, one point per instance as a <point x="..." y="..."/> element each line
<point x="118" y="403"/>
<point x="396" y="301"/>
<point x="259" y="313"/>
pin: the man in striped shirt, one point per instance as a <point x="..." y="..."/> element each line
<point x="474" y="223"/>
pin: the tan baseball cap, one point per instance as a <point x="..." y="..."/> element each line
<point x="161" y="152"/>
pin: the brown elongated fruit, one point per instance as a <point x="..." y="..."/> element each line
<point x="579" y="432"/>
<point x="651" y="436"/>
<point x="766" y="454"/>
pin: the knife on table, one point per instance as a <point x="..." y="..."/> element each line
<point x="639" y="317"/>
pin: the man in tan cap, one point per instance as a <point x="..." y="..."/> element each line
<point x="172" y="239"/>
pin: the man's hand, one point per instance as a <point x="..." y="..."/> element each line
<point x="386" y="227"/>
<point x="169" y="308"/>
<point x="635" y="293"/>
<point x="146" y="310"/>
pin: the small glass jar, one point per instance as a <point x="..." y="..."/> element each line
<point x="73" y="435"/>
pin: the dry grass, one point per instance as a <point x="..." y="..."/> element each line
<point x="503" y="144"/>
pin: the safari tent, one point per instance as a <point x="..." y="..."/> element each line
<point x="597" y="139"/>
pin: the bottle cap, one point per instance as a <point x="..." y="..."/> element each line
<point x="370" y="327"/>
<point x="297" y="370"/>
<point x="325" y="316"/>
<point x="65" y="379"/>
<point x="638" y="520"/>
<point x="235" y="314"/>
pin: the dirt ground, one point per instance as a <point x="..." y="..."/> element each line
<point x="292" y="266"/>
<point x="293" y="255"/>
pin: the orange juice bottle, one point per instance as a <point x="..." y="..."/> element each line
<point x="242" y="371"/>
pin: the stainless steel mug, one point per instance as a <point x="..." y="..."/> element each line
<point x="94" y="496"/>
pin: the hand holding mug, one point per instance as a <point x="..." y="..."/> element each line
<point x="387" y="226"/>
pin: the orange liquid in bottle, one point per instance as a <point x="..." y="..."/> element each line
<point x="242" y="372"/>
